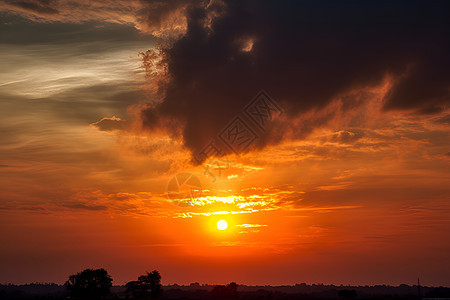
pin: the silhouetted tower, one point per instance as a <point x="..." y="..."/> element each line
<point x="418" y="288"/>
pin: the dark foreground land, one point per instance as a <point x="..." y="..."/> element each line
<point x="197" y="291"/>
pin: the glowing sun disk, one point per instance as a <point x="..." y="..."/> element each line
<point x="222" y="225"/>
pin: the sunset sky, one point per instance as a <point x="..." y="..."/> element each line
<point x="117" y="146"/>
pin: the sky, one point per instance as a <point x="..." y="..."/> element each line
<point x="318" y="130"/>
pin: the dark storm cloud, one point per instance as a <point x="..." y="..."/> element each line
<point x="304" y="54"/>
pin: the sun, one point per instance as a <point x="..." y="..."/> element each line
<point x="222" y="225"/>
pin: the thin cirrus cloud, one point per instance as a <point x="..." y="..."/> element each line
<point x="56" y="80"/>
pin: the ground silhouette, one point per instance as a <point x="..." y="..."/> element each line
<point x="97" y="284"/>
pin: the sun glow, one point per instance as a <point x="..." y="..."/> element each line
<point x="222" y="225"/>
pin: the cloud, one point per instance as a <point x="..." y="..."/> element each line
<point x="251" y="225"/>
<point x="305" y="55"/>
<point x="45" y="7"/>
<point x="250" y="228"/>
<point x="345" y="137"/>
<point x="164" y="18"/>
<point x="87" y="37"/>
<point x="85" y="207"/>
<point x="73" y="11"/>
<point x="111" y="124"/>
<point x="158" y="17"/>
<point x="444" y="120"/>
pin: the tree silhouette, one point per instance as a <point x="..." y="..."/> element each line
<point x="148" y="285"/>
<point x="225" y="292"/>
<point x="89" y="284"/>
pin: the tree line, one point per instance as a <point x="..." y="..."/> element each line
<point x="97" y="283"/>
